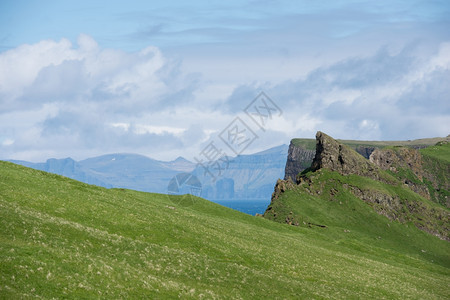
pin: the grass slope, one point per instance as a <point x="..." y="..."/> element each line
<point x="62" y="238"/>
<point x="440" y="151"/>
<point x="437" y="162"/>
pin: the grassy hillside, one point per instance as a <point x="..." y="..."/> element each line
<point x="62" y="238"/>
<point x="428" y="173"/>
<point x="440" y="151"/>
<point x="437" y="164"/>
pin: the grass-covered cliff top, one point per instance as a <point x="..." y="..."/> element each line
<point x="310" y="144"/>
<point x="441" y="152"/>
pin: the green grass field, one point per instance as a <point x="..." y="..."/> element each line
<point x="440" y="152"/>
<point x="60" y="238"/>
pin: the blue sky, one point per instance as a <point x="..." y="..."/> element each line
<point x="165" y="78"/>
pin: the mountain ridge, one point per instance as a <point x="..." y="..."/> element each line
<point x="247" y="176"/>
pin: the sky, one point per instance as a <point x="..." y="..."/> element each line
<point x="176" y="78"/>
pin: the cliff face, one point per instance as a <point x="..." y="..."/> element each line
<point x="401" y="157"/>
<point x="332" y="155"/>
<point x="245" y="176"/>
<point x="392" y="182"/>
<point x="419" y="173"/>
<point x="299" y="158"/>
<point x="396" y="160"/>
<point x="302" y="151"/>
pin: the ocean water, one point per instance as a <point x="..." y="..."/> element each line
<point x="250" y="207"/>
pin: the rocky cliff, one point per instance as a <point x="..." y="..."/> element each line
<point x="244" y="176"/>
<point x="425" y="176"/>
<point x="299" y="158"/>
<point x="394" y="182"/>
<point x="335" y="156"/>
<point x="301" y="155"/>
<point x="302" y="151"/>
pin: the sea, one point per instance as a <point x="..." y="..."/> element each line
<point x="248" y="206"/>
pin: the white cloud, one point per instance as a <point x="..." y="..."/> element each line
<point x="379" y="96"/>
<point x="337" y="94"/>
<point x="49" y="71"/>
<point x="87" y="44"/>
<point x="20" y="66"/>
<point x="144" y="129"/>
<point x="57" y="98"/>
<point x="122" y="126"/>
<point x="442" y="59"/>
<point x="7" y="142"/>
<point x="64" y="100"/>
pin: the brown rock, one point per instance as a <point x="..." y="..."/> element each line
<point x="332" y="155"/>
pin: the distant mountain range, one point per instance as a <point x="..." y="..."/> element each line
<point x="245" y="176"/>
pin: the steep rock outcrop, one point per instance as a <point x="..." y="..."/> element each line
<point x="301" y="154"/>
<point x="281" y="186"/>
<point x="332" y="155"/>
<point x="399" y="157"/>
<point x="422" y="174"/>
<point x="402" y="158"/>
<point x="385" y="193"/>
<point x="300" y="158"/>
<point x="297" y="161"/>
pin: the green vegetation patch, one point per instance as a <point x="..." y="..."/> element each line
<point x="307" y="144"/>
<point x="440" y="151"/>
<point x="60" y="238"/>
<point x="328" y="204"/>
<point x="436" y="160"/>
<point x="310" y="144"/>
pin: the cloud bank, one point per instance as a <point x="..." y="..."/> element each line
<point x="61" y="99"/>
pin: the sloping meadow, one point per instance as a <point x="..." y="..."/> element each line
<point x="60" y="238"/>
